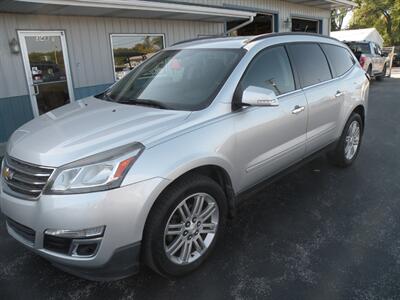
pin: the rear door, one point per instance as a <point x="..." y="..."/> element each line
<point x="270" y="139"/>
<point x="322" y="93"/>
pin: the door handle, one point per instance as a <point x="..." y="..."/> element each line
<point x="339" y="94"/>
<point x="298" y="109"/>
<point x="35" y="90"/>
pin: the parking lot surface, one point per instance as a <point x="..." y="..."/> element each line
<point x="318" y="233"/>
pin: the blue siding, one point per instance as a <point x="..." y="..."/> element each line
<point x="276" y="22"/>
<point x="14" y="111"/>
<point x="320" y="26"/>
<point x="90" y="90"/>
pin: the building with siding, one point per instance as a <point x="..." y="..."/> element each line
<point x="53" y="52"/>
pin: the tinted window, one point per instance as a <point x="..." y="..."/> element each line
<point x="363" y="48"/>
<point x="310" y="62"/>
<point x="303" y="25"/>
<point x="270" y="69"/>
<point x="377" y="49"/>
<point x="340" y="59"/>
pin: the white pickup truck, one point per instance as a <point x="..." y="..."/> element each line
<point x="370" y="57"/>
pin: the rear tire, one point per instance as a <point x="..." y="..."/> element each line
<point x="177" y="238"/>
<point x="381" y="77"/>
<point x="369" y="72"/>
<point x="349" y="144"/>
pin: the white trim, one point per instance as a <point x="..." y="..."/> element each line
<point x="344" y="2"/>
<point x="321" y="4"/>
<point x="28" y="74"/>
<point x="130" y="34"/>
<point x="149" y="5"/>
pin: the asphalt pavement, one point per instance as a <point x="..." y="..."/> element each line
<point x="318" y="233"/>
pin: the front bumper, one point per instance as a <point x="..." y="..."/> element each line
<point x="122" y="211"/>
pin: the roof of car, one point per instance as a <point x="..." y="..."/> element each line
<point x="242" y="41"/>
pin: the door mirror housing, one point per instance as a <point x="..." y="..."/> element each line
<point x="257" y="96"/>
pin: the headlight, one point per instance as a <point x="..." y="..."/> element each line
<point x="98" y="172"/>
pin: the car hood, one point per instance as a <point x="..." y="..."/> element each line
<point x="87" y="127"/>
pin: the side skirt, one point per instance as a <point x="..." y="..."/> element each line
<point x="244" y="195"/>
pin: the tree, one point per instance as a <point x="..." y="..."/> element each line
<point x="384" y="15"/>
<point x="337" y="17"/>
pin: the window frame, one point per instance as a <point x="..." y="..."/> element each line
<point x="270" y="14"/>
<point x="319" y="22"/>
<point x="111" y="35"/>
<point x="238" y="93"/>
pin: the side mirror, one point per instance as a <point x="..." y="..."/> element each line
<point x="257" y="96"/>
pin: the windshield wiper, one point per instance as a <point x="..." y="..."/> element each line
<point x="146" y="102"/>
<point x="105" y="96"/>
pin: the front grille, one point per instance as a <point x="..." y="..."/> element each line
<point x="26" y="179"/>
<point x="23" y="231"/>
<point x="57" y="244"/>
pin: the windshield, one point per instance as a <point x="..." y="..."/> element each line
<point x="176" y="79"/>
<point x="360" y="47"/>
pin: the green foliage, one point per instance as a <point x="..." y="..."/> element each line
<point x="384" y="15"/>
<point x="150" y="44"/>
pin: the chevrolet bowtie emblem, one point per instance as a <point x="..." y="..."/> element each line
<point x="8" y="174"/>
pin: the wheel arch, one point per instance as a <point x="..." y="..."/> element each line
<point x="360" y="109"/>
<point x="215" y="170"/>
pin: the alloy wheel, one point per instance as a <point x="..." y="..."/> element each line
<point x="352" y="140"/>
<point x="191" y="228"/>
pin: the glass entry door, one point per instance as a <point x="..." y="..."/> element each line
<point x="47" y="69"/>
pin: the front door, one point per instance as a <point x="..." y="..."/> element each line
<point x="47" y="70"/>
<point x="270" y="139"/>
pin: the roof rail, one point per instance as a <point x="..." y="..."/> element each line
<point x="197" y="39"/>
<point x="270" y="35"/>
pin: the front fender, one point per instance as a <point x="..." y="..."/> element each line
<point x="210" y="145"/>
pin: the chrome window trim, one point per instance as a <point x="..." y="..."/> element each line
<point x="293" y="68"/>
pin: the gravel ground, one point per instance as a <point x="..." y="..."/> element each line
<point x="319" y="233"/>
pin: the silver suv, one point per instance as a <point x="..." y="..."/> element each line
<point x="149" y="170"/>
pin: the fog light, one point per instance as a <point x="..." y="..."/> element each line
<point x="77" y="234"/>
<point x="86" y="249"/>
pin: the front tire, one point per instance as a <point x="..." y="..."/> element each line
<point x="184" y="225"/>
<point x="349" y="143"/>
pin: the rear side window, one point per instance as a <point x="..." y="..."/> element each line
<point x="270" y="69"/>
<point x="310" y="63"/>
<point x="362" y="48"/>
<point x="340" y="59"/>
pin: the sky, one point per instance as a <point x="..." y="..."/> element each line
<point x="347" y="19"/>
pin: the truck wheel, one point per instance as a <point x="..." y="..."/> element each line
<point x="184" y="225"/>
<point x="381" y="77"/>
<point x="348" y="146"/>
<point x="369" y="71"/>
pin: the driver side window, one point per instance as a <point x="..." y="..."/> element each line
<point x="270" y="69"/>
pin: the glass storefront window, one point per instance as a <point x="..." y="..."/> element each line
<point x="129" y="50"/>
